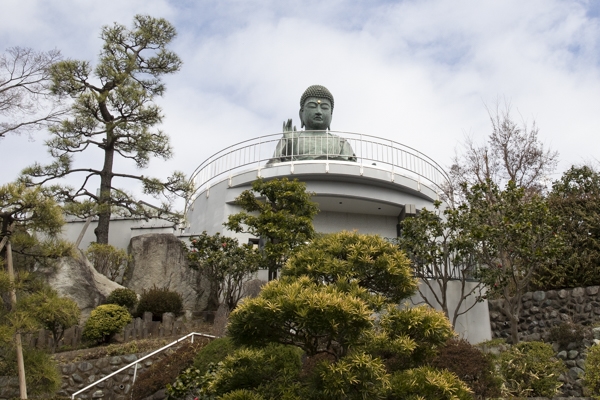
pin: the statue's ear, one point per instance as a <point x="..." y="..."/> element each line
<point x="301" y="119"/>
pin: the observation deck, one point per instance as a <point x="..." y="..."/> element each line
<point x="372" y="178"/>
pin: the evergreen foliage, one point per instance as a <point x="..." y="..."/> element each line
<point x="358" y="376"/>
<point x="314" y="317"/>
<point x="53" y="312"/>
<point x="592" y="371"/>
<point x="108" y="260"/>
<point x="281" y="216"/>
<point x="426" y="383"/>
<point x="41" y="370"/>
<point x="366" y="266"/>
<point x="114" y="110"/>
<point x="575" y="200"/>
<point x="471" y="365"/>
<point x="123" y="297"/>
<point x="529" y="369"/>
<point x="25" y="213"/>
<point x="159" y="301"/>
<point x="516" y="238"/>
<point x="213" y="353"/>
<point x="225" y="264"/>
<point x="104" y="322"/>
<point x="442" y="248"/>
<point x="313" y="334"/>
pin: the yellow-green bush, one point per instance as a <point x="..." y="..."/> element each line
<point x="529" y="369"/>
<point x="108" y="260"/>
<point x="428" y="383"/>
<point x="241" y="394"/>
<point x="104" y="322"/>
<point x="592" y="371"/>
<point x="427" y="328"/>
<point x="358" y="376"/>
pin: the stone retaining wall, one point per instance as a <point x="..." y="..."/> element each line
<point x="77" y="375"/>
<point x="543" y="310"/>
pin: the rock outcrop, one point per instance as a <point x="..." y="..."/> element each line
<point x="76" y="278"/>
<point x="160" y="259"/>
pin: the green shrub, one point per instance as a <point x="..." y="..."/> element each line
<point x="592" y="371"/>
<point x="213" y="353"/>
<point x="269" y="371"/>
<point x="357" y="376"/>
<point x="250" y="368"/>
<point x="568" y="332"/>
<point x="471" y="366"/>
<point x="41" y="372"/>
<point x="241" y="394"/>
<point x="427" y="328"/>
<point x="159" y="301"/>
<point x="427" y="383"/>
<point x="529" y="369"/>
<point x="104" y="322"/>
<point x="108" y="260"/>
<point x="123" y="297"/>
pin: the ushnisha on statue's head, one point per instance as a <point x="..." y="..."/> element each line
<point x="316" y="108"/>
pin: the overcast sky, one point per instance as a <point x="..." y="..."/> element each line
<point x="418" y="72"/>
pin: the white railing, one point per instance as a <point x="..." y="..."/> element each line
<point x="344" y="147"/>
<point x="136" y="362"/>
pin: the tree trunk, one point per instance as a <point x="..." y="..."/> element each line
<point x="272" y="274"/>
<point x="105" y="198"/>
<point x="514" y="329"/>
<point x="13" y="304"/>
<point x="512" y="312"/>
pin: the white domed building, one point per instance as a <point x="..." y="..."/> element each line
<point x="360" y="182"/>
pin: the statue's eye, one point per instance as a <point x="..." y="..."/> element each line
<point x="325" y="106"/>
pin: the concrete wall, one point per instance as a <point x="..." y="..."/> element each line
<point x="331" y="222"/>
<point x="120" y="233"/>
<point x="474" y="325"/>
<point x="348" y="197"/>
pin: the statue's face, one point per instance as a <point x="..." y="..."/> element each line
<point x="316" y="114"/>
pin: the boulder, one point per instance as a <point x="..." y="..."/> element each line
<point x="159" y="259"/>
<point x="76" y="278"/>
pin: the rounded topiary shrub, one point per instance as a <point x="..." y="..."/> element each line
<point x="471" y="365"/>
<point x="529" y="369"/>
<point x="159" y="301"/>
<point x="123" y="297"/>
<point x="104" y="322"/>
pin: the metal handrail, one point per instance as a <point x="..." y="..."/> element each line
<point x="135" y="363"/>
<point x="372" y="151"/>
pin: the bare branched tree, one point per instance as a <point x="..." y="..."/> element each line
<point x="26" y="103"/>
<point x="512" y="152"/>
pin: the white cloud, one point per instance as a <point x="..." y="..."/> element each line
<point x="418" y="72"/>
